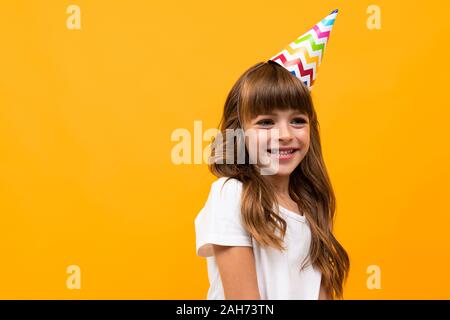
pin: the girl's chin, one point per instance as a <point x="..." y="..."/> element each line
<point x="275" y="173"/>
<point x="283" y="171"/>
<point x="280" y="169"/>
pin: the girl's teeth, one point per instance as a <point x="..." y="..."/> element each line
<point x="283" y="152"/>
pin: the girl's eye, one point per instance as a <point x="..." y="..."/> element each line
<point x="300" y="120"/>
<point x="265" y="122"/>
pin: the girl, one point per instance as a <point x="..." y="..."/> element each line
<point x="269" y="236"/>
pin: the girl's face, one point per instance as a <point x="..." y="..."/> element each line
<point x="282" y="140"/>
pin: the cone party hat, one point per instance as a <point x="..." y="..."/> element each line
<point x="303" y="57"/>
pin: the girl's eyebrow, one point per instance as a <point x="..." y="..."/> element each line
<point x="299" y="112"/>
<point x="294" y="113"/>
<point x="267" y="114"/>
<point x="259" y="116"/>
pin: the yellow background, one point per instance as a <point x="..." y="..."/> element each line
<point x="86" y="116"/>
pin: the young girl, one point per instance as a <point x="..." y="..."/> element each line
<point x="269" y="236"/>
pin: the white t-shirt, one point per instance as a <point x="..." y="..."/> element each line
<point x="278" y="272"/>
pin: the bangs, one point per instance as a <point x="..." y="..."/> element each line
<point x="271" y="87"/>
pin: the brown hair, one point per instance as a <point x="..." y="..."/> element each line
<point x="262" y="88"/>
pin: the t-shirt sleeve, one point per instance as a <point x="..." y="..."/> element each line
<point x="220" y="222"/>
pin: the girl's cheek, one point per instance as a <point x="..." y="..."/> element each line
<point x="264" y="136"/>
<point x="303" y="135"/>
<point x="257" y="139"/>
<point x="260" y="138"/>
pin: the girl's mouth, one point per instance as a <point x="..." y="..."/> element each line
<point x="283" y="153"/>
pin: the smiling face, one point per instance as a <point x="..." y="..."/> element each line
<point x="276" y="111"/>
<point x="282" y="140"/>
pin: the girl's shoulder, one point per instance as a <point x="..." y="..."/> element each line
<point x="225" y="189"/>
<point x="227" y="182"/>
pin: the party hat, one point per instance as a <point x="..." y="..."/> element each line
<point x="302" y="57"/>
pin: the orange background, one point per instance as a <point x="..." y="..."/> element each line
<point x="86" y="116"/>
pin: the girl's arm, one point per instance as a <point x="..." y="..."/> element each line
<point x="237" y="272"/>
<point x="324" y="294"/>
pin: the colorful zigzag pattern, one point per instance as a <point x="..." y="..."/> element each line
<point x="302" y="57"/>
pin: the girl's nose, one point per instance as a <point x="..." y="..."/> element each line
<point x="284" y="131"/>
